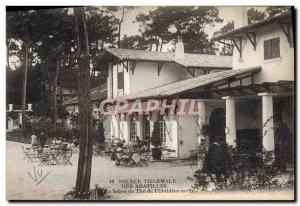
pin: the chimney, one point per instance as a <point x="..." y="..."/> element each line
<point x="179" y="49"/>
<point x="241" y="17"/>
<point x="10" y="107"/>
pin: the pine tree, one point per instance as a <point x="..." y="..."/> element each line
<point x="155" y="137"/>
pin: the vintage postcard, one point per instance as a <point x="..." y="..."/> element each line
<point x="150" y="103"/>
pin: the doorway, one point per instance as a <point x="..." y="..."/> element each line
<point x="217" y="125"/>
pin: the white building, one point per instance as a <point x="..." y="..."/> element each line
<point x="267" y="103"/>
<point x="14" y="116"/>
<point x="247" y="107"/>
<point x="137" y="74"/>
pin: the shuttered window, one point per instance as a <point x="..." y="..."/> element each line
<point x="120" y="80"/>
<point x="272" y="48"/>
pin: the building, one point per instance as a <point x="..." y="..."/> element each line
<point x="140" y="75"/>
<point x="14" y="116"/>
<point x="64" y="95"/>
<point x="98" y="94"/>
<point x="257" y="112"/>
<point x="248" y="107"/>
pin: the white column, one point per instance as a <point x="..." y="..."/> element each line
<point x="20" y="118"/>
<point x="201" y="123"/>
<point x="109" y="82"/>
<point x="230" y="129"/>
<point x="201" y="119"/>
<point x="267" y="121"/>
<point x="10" y="107"/>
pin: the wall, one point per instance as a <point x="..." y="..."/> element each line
<point x="187" y="134"/>
<point x="273" y="69"/>
<point x="146" y="75"/>
<point x="172" y="135"/>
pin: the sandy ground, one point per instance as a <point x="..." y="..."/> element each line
<point x="61" y="179"/>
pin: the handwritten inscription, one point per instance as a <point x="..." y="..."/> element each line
<point x="37" y="175"/>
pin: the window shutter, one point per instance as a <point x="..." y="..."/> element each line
<point x="120" y="80"/>
<point x="267" y="49"/>
<point x="275" y="47"/>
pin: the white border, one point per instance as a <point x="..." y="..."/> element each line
<point x="4" y="3"/>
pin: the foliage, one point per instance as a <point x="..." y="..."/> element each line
<point x="242" y="177"/>
<point x="255" y="15"/>
<point x="227" y="49"/>
<point x="155" y="137"/>
<point x="275" y="10"/>
<point x="135" y="42"/>
<point x="99" y="132"/>
<point x="189" y="22"/>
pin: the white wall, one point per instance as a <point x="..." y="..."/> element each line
<point x="273" y="69"/>
<point x="187" y="134"/>
<point x="146" y="75"/>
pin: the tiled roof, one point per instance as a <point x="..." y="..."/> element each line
<point x="188" y="84"/>
<point x="190" y="60"/>
<point x="97" y="93"/>
<point x="205" y="60"/>
<point x="142" y="55"/>
<point x="282" y="17"/>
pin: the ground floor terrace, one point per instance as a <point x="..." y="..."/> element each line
<point x="61" y="179"/>
<point x="249" y="124"/>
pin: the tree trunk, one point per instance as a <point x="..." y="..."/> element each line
<point x="85" y="110"/>
<point x="24" y="92"/>
<point x="120" y="24"/>
<point x="161" y="45"/>
<point x="119" y="36"/>
<point x="55" y="97"/>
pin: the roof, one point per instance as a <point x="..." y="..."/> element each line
<point x="286" y="17"/>
<point x="189" y="84"/>
<point x="190" y="60"/>
<point x="97" y="93"/>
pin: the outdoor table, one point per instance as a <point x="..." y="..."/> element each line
<point x="61" y="156"/>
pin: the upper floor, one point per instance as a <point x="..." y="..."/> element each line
<point x="267" y="44"/>
<point x="132" y="71"/>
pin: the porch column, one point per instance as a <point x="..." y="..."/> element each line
<point x="20" y="118"/>
<point x="267" y="121"/>
<point x="201" y="123"/>
<point x="230" y="129"/>
<point x="201" y="119"/>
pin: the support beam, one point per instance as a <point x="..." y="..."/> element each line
<point x="227" y="44"/>
<point x="125" y="65"/>
<point x="238" y="44"/>
<point x="252" y="38"/>
<point x="191" y="71"/>
<point x="230" y="129"/>
<point x="286" y="29"/>
<point x="132" y="68"/>
<point x="159" y="67"/>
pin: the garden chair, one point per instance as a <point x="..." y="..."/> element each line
<point x="26" y="151"/>
<point x="66" y="157"/>
<point x="44" y="157"/>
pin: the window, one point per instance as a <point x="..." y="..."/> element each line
<point x="272" y="48"/>
<point x="120" y="80"/>
<point x="132" y="128"/>
<point x="162" y="132"/>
